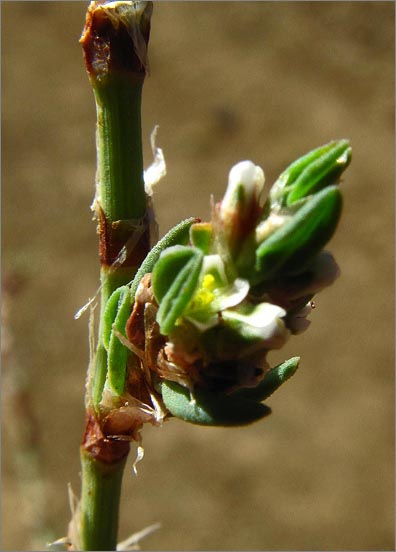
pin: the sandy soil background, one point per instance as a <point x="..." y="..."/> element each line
<point x="265" y="81"/>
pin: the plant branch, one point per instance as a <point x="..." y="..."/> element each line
<point x="114" y="41"/>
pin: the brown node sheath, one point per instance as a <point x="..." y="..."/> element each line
<point x="108" y="42"/>
<point x="113" y="237"/>
<point x="95" y="442"/>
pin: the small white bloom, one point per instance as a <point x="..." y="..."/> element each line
<point x="206" y="306"/>
<point x="248" y="174"/>
<point x="231" y="295"/>
<point x="298" y="322"/>
<point x="244" y="177"/>
<point x="260" y="322"/>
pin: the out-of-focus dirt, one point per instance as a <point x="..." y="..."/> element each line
<point x="265" y="81"/>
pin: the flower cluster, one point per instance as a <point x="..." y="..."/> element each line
<point x="208" y="308"/>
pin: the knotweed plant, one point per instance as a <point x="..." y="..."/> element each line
<point x="186" y="326"/>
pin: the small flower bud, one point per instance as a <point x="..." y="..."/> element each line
<point x="240" y="207"/>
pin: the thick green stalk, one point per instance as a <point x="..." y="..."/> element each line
<point x="121" y="187"/>
<point x="115" y="41"/>
<point x="100" y="503"/>
<point x="121" y="198"/>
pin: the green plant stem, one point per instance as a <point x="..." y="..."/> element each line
<point x="120" y="193"/>
<point x="119" y="143"/>
<point x="99" y="505"/>
<point x="114" y="41"/>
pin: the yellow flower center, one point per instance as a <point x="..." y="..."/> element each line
<point x="204" y="295"/>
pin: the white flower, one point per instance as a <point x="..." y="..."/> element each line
<point x="231" y="295"/>
<point x="248" y="175"/>
<point x="210" y="301"/>
<point x="261" y="322"/>
<point x="297" y="322"/>
<point x="245" y="185"/>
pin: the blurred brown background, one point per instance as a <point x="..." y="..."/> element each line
<point x="265" y="81"/>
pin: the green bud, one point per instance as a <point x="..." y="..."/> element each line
<point x="211" y="409"/>
<point x="292" y="247"/>
<point x="311" y="173"/>
<point x="175" y="279"/>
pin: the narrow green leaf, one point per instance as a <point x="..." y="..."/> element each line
<point x="278" y="192"/>
<point x="294" y="245"/>
<point x="99" y="375"/>
<point x="272" y="381"/>
<point x="178" y="235"/>
<point x="110" y="314"/>
<point x="321" y="172"/>
<point x="210" y="409"/>
<point x="172" y="260"/>
<point x="311" y="172"/>
<point x="175" y="279"/>
<point x="117" y="352"/>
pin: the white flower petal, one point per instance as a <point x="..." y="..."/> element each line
<point x="250" y="177"/>
<point x="230" y="296"/>
<point x="263" y="322"/>
<point x="298" y="323"/>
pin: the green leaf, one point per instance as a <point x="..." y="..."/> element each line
<point x="110" y="314"/>
<point x="172" y="260"/>
<point x="179" y="234"/>
<point x="175" y="279"/>
<point x="201" y="235"/>
<point x="311" y="173"/>
<point x="210" y="409"/>
<point x="272" y="381"/>
<point x="117" y="352"/>
<point x="291" y="248"/>
<point x="321" y="172"/>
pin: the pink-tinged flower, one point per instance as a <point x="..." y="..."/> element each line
<point x="297" y="322"/>
<point x="240" y="208"/>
